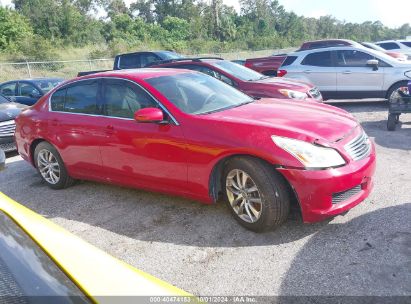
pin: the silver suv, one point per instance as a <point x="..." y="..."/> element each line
<point x="400" y="46"/>
<point x="348" y="72"/>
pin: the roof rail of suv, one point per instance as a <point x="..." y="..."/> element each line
<point x="195" y="59"/>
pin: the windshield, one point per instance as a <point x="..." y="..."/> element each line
<point x="197" y="93"/>
<point x="47" y="84"/>
<point x="239" y="71"/>
<point x="170" y="55"/>
<point x="3" y="99"/>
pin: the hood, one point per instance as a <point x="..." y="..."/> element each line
<point x="10" y="110"/>
<point x="285" y="83"/>
<point x="307" y="121"/>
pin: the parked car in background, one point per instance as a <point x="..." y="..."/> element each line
<point x="43" y="263"/>
<point x="186" y="133"/>
<point x="348" y="72"/>
<point x="401" y="46"/>
<point x="137" y="60"/>
<point x="324" y="43"/>
<point x="28" y="91"/>
<point x="396" y="55"/>
<point x="248" y="81"/>
<point x="8" y="112"/>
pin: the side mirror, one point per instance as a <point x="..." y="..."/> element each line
<point x="373" y="63"/>
<point x="149" y="115"/>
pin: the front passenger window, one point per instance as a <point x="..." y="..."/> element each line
<point x="122" y="99"/>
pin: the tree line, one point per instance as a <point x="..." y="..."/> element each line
<point x="40" y="29"/>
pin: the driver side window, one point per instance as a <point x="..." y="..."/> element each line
<point x="352" y="58"/>
<point x="123" y="98"/>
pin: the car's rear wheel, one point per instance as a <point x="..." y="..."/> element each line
<point x="51" y="167"/>
<point x="256" y="194"/>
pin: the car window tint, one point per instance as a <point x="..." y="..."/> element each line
<point x="353" y="58"/>
<point x="146" y="59"/>
<point x="82" y="98"/>
<point x="389" y="45"/>
<point x="406" y="43"/>
<point x="289" y="60"/>
<point x="28" y="90"/>
<point x="8" y="89"/>
<point x="122" y="99"/>
<point x="320" y="59"/>
<point x="57" y="100"/>
<point x="129" y="61"/>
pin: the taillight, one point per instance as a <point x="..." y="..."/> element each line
<point x="281" y="73"/>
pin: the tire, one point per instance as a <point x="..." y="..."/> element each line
<point x="55" y="175"/>
<point x="395" y="87"/>
<point x="391" y="122"/>
<point x="264" y="185"/>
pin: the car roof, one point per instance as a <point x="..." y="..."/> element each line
<point x="184" y="61"/>
<point x="143" y="73"/>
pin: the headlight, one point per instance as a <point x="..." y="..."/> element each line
<point x="293" y="94"/>
<point x="311" y="156"/>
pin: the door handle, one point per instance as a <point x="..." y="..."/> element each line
<point x="347" y="72"/>
<point x="307" y="71"/>
<point x="55" y="122"/>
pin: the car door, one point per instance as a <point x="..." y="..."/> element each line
<point x="147" y="155"/>
<point x="319" y="69"/>
<point x="76" y="127"/>
<point x="27" y="93"/>
<point x="354" y="78"/>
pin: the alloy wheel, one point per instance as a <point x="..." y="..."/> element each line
<point x="48" y="166"/>
<point x="243" y="196"/>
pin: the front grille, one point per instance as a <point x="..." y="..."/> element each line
<point x="345" y="195"/>
<point x="315" y="93"/>
<point x="7" y="128"/>
<point x="359" y="147"/>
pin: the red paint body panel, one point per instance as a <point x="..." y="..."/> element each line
<point x="179" y="159"/>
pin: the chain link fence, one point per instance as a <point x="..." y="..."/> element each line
<point x="69" y="69"/>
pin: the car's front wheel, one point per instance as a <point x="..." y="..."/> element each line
<point x="51" y="167"/>
<point x="256" y="194"/>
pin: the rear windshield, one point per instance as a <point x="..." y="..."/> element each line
<point x="289" y="60"/>
<point x="27" y="273"/>
<point x="407" y="43"/>
<point x="197" y="93"/>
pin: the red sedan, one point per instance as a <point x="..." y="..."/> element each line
<point x="244" y="79"/>
<point x="186" y="133"/>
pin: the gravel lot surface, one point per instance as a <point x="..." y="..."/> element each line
<point x="202" y="250"/>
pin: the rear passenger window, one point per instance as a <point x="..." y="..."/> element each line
<point x="320" y="59"/>
<point x="57" y="100"/>
<point x="130" y="61"/>
<point x="123" y="98"/>
<point x="82" y="98"/>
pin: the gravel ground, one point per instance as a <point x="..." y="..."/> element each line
<point x="202" y="250"/>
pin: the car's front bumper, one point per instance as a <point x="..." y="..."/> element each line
<point x="326" y="193"/>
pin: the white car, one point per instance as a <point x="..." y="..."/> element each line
<point x="401" y="46"/>
<point x="348" y="72"/>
